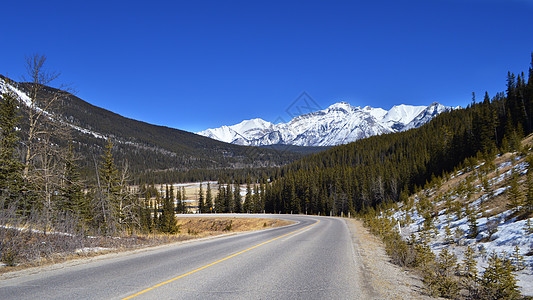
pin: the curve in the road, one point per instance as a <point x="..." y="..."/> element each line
<point x="218" y="261"/>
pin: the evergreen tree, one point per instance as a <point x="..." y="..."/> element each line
<point x="471" y="214"/>
<point x="529" y="181"/>
<point x="517" y="259"/>
<point x="237" y="199"/>
<point x="248" y="205"/>
<point x="11" y="182"/>
<point x="219" y="200"/>
<point x="208" y="199"/>
<point x="184" y="203"/>
<point x="469" y="263"/>
<point x="72" y="200"/>
<point x="259" y="198"/>
<point x="108" y="215"/>
<point x="201" y="203"/>
<point x="145" y="213"/>
<point x="168" y="217"/>
<point x="179" y="202"/>
<point x="514" y="193"/>
<point x="499" y="280"/>
<point x="228" y="200"/>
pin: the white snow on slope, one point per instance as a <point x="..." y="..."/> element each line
<point x="26" y="100"/>
<point x="510" y="232"/>
<point x="338" y="124"/>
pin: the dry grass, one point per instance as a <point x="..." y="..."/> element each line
<point x="206" y="226"/>
<point x="32" y="249"/>
<point x="381" y="278"/>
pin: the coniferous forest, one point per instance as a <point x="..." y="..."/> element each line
<point x="361" y="175"/>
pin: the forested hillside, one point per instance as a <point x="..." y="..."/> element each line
<point x="366" y="173"/>
<point x="153" y="153"/>
<point x="68" y="166"/>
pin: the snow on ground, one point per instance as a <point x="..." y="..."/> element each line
<point x="87" y="250"/>
<point x="26" y="100"/>
<point x="509" y="232"/>
<point x="35" y="230"/>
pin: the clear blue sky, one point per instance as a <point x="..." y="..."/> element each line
<point x="194" y="65"/>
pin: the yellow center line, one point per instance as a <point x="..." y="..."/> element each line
<point x="216" y="262"/>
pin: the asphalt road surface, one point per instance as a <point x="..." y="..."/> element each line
<point x="312" y="259"/>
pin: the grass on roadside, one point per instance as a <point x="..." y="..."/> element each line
<point x="23" y="247"/>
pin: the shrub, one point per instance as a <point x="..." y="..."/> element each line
<point x="499" y="280"/>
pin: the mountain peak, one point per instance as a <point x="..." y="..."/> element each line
<point x="340" y="123"/>
<point x="341" y="105"/>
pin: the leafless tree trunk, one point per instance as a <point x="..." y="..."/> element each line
<point x="42" y="156"/>
<point x="38" y="106"/>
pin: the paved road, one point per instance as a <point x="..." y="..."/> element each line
<point x="313" y="259"/>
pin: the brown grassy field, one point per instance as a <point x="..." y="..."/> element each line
<point x="206" y="226"/>
<point x="26" y="248"/>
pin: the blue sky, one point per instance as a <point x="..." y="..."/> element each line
<point x="194" y="65"/>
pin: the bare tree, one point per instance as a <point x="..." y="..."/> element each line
<point x="43" y="156"/>
<point x="39" y="104"/>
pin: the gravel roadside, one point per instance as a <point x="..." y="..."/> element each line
<point x="384" y="279"/>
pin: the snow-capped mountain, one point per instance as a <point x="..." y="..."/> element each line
<point x="338" y="124"/>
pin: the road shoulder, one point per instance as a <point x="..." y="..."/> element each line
<point x="383" y="279"/>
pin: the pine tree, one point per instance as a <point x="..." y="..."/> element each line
<point x="248" y="204"/>
<point x="228" y="200"/>
<point x="469" y="263"/>
<point x="179" y="202"/>
<point x="184" y="203"/>
<point x="219" y="199"/>
<point x="448" y="236"/>
<point x="529" y="181"/>
<point x="156" y="218"/>
<point x="108" y="206"/>
<point x="237" y="199"/>
<point x="470" y="273"/>
<point x="517" y="259"/>
<point x="528" y="227"/>
<point x="446" y="285"/>
<point x="145" y="211"/>
<point x="514" y="193"/>
<point x="201" y="203"/>
<point x="499" y="280"/>
<point x="447" y="263"/>
<point x="72" y="200"/>
<point x="208" y="199"/>
<point x="11" y="182"/>
<point x="259" y="198"/>
<point x="471" y="214"/>
<point x="168" y="217"/>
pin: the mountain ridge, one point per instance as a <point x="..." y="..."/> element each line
<point x="146" y="147"/>
<point x="340" y="123"/>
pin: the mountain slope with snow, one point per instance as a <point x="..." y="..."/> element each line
<point x="148" y="149"/>
<point x="338" y="124"/>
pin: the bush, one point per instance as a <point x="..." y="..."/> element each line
<point x="9" y="256"/>
<point x="400" y="252"/>
<point x="499" y="280"/>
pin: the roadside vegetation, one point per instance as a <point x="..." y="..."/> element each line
<point x="27" y="244"/>
<point x="468" y="233"/>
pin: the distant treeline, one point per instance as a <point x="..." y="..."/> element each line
<point x="226" y="175"/>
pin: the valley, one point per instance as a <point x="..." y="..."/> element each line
<point x="447" y="190"/>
